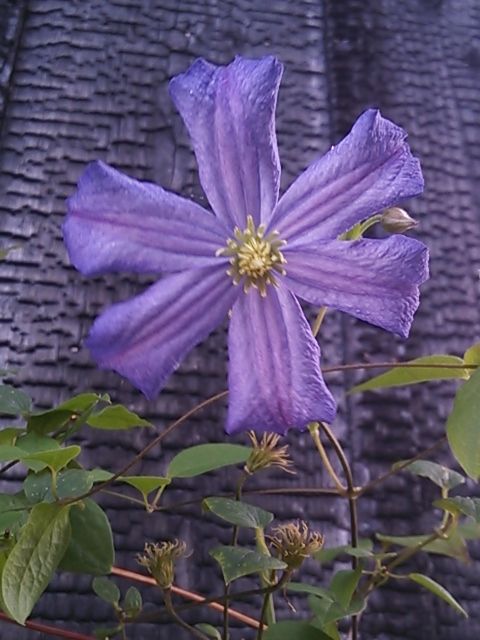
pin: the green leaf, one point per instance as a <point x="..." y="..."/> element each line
<point x="208" y="630"/>
<point x="328" y="613"/>
<point x="472" y="356"/>
<point x="38" y="487"/>
<point x="13" y="402"/>
<point x="292" y="630"/>
<point x="9" y="435"/>
<point x="437" y="590"/>
<point x="343" y="585"/>
<point x="34" y="442"/>
<point x="116" y="417"/>
<point x="329" y="554"/>
<point x="13" y="509"/>
<point x="145" y="484"/>
<point x="442" y="476"/>
<point x="132" y="603"/>
<point x="91" y="546"/>
<point x="71" y="483"/>
<point x="206" y="457"/>
<point x="303" y="587"/>
<point x="10" y="452"/>
<point x="56" y="459"/>
<point x="463" y="426"/>
<point x="236" y="562"/>
<point x="106" y="589"/>
<point x="239" y="513"/>
<point x="468" y="506"/>
<point x="452" y="546"/>
<point x="33" y="560"/>
<point x="100" y="475"/>
<point x="68" y="411"/>
<point x="402" y="376"/>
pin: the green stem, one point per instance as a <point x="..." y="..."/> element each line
<point x="313" y="427"/>
<point x="238" y="496"/>
<point x="167" y="596"/>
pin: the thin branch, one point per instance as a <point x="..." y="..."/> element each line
<point x="188" y="595"/>
<point x="167" y="596"/>
<point x="47" y="629"/>
<point x="352" y="493"/>
<point x="313" y="428"/>
<point x="401" y="466"/>
<point x="394" y="365"/>
<point x="141" y="454"/>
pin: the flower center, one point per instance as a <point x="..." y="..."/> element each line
<point x="254" y="258"/>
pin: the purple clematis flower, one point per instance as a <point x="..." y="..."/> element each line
<point x="254" y="254"/>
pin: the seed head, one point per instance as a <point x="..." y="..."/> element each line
<point x="266" y="453"/>
<point x="294" y="542"/>
<point x="159" y="560"/>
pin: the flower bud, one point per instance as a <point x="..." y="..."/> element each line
<point x="396" y="220"/>
<point x="266" y="453"/>
<point x="294" y="542"/>
<point x="159" y="560"/>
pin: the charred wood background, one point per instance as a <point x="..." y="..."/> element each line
<point x="87" y="79"/>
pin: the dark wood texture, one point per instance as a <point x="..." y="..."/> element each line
<point x="87" y="79"/>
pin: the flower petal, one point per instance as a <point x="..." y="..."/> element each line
<point x="144" y="339"/>
<point x="115" y="223"/>
<point x="370" y="170"/>
<point x="230" y="115"/>
<point x="374" y="280"/>
<point x="275" y="380"/>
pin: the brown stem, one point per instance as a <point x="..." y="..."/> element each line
<point x="141" y="454"/>
<point x="188" y="595"/>
<point x="238" y="495"/>
<point x="167" y="596"/>
<point x="352" y="503"/>
<point x="48" y="630"/>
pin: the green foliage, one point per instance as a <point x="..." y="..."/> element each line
<point x="208" y="630"/>
<point x="71" y="412"/>
<point x="452" y="545"/>
<point x="343" y="585"/>
<point x="90" y="549"/>
<point x="463" y="426"/>
<point x="329" y="554"/>
<point x="403" y="376"/>
<point x="55" y="459"/>
<point x="293" y="630"/>
<point x="238" y="513"/>
<point x="442" y="476"/>
<point x="132" y="603"/>
<point x="458" y="505"/>
<point x="106" y="589"/>
<point x="116" y="417"/>
<point x="9" y="435"/>
<point x="70" y="483"/>
<point x="472" y="356"/>
<point x="437" y="590"/>
<point x="13" y="510"/>
<point x="146" y="484"/>
<point x="236" y="562"/>
<point x="206" y="457"/>
<point x="13" y="402"/>
<point x="34" y="558"/>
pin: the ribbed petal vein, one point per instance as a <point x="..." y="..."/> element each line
<point x="116" y="223"/>
<point x="370" y="170"/>
<point x="374" y="280"/>
<point x="145" y="338"/>
<point x="230" y="115"/>
<point x="275" y="380"/>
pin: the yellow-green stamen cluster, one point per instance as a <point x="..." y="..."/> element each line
<point x="159" y="560"/>
<point x="255" y="258"/>
<point x="294" y="542"/>
<point x="266" y="453"/>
